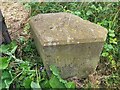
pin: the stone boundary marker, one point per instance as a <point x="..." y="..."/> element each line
<point x="68" y="42"/>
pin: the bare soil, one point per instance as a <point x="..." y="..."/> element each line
<point x="15" y="17"/>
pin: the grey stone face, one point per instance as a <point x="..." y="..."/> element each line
<point x="69" y="42"/>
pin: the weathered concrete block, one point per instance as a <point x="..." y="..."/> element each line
<point x="69" y="42"/>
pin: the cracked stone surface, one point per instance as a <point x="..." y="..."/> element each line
<point x="69" y="42"/>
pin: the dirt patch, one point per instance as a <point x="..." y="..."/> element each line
<point x="15" y="17"/>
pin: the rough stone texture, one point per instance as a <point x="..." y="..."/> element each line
<point x="69" y="42"/>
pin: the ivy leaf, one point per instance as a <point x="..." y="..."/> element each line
<point x="77" y="13"/>
<point x="27" y="82"/>
<point x="35" y="85"/>
<point x="110" y="46"/>
<point x="45" y="84"/>
<point x="55" y="83"/>
<point x="5" y="75"/>
<point x="104" y="54"/>
<point x="13" y="44"/>
<point x="4" y="62"/>
<point x="8" y="48"/>
<point x="4" y="48"/>
<point x="89" y="12"/>
<point x="112" y="35"/>
<point x="54" y="70"/>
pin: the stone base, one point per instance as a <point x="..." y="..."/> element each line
<point x="68" y="42"/>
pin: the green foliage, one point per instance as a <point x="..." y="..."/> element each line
<point x="6" y="77"/>
<point x="113" y="80"/>
<point x="35" y="85"/>
<point x="21" y="74"/>
<point x="4" y="63"/>
<point x="57" y="82"/>
<point x="104" y="14"/>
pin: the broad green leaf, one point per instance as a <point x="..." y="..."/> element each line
<point x="55" y="83"/>
<point x="104" y="54"/>
<point x="70" y="85"/>
<point x="2" y="84"/>
<point x="45" y="84"/>
<point x="111" y="31"/>
<point x="93" y="6"/>
<point x="13" y="44"/>
<point x="54" y="70"/>
<point x="4" y="48"/>
<point x="112" y="35"/>
<point x="8" y="47"/>
<point x="89" y="12"/>
<point x="27" y="82"/>
<point x="25" y="66"/>
<point x="5" y="75"/>
<point x="77" y="12"/>
<point x="35" y="85"/>
<point x="4" y="62"/>
<point x="110" y="46"/>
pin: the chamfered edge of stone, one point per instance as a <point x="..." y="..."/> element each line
<point x="63" y="42"/>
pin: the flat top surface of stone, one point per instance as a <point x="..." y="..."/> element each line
<point x="65" y="28"/>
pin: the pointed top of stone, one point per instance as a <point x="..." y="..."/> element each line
<point x="65" y="28"/>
